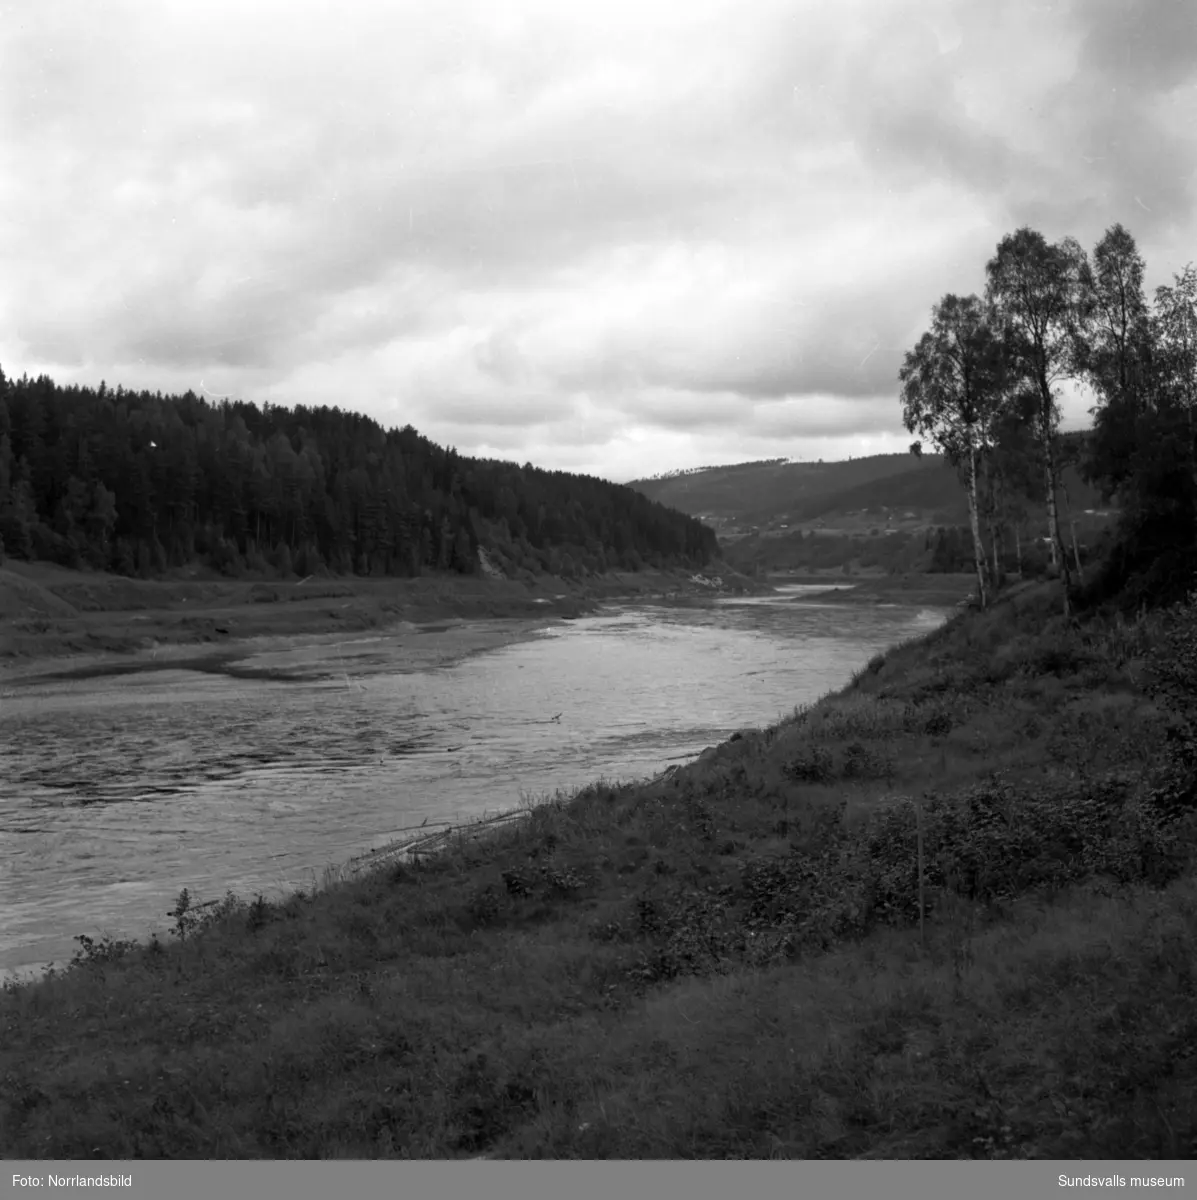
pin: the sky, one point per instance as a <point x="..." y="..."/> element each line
<point x="613" y="237"/>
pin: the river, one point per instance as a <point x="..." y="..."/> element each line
<point x="116" y="791"/>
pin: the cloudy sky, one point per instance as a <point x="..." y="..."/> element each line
<point x="614" y="236"/>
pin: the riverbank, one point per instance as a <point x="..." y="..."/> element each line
<point x="50" y="613"/>
<point x="932" y="591"/>
<point x="727" y="961"/>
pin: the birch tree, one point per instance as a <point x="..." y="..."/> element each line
<point x="1176" y="336"/>
<point x="952" y="389"/>
<point x="1115" y="351"/>
<point x="1038" y="292"/>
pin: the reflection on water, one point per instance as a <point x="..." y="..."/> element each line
<point x="118" y="791"/>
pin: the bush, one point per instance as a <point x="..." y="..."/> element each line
<point x="812" y="764"/>
<point x="93" y="954"/>
<point x="995" y="841"/>
<point x="1172" y="683"/>
<point x="1172" y="662"/>
<point x="939" y="723"/>
<point x="695" y="936"/>
<point x="860" y="762"/>
<point x="989" y="844"/>
<point x="191" y="918"/>
<point x="1063" y="658"/>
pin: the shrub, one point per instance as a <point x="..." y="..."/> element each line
<point x="1172" y="682"/>
<point x="96" y="954"/>
<point x="812" y="764"/>
<point x="695" y="935"/>
<point x="191" y="918"/>
<point x="1063" y="658"/>
<point x="1172" y="662"/>
<point x="860" y="762"/>
<point x="853" y="716"/>
<point x="995" y="841"/>
<point x="939" y="723"/>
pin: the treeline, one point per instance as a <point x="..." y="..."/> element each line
<point x="982" y="384"/>
<point x="944" y="549"/>
<point x="138" y="482"/>
<point x="895" y="553"/>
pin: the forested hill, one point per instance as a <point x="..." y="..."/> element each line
<point x="138" y="482"/>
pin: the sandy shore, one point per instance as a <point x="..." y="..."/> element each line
<point x="54" y="621"/>
<point x="59" y="622"/>
<point x="403" y="647"/>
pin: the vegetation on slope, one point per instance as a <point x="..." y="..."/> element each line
<point x="753" y="492"/>
<point x="938" y="551"/>
<point x="937" y="497"/>
<point x="137" y="483"/>
<point x="935" y="550"/>
<point x="726" y="961"/>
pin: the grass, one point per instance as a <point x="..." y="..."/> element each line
<point x="723" y="962"/>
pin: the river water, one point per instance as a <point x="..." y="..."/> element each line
<point x="117" y="791"/>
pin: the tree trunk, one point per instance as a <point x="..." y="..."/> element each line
<point x="996" y="577"/>
<point x="975" y="521"/>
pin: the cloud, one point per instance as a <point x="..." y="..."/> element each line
<point x="609" y="237"/>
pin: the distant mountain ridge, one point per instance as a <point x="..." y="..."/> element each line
<point x="744" y="495"/>
<point x="680" y="471"/>
<point x="759" y="491"/>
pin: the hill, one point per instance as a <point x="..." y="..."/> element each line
<point x="749" y="493"/>
<point x="894" y="490"/>
<point x="139" y="483"/>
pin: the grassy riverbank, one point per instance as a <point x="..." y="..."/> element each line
<point x="726" y="961"/>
